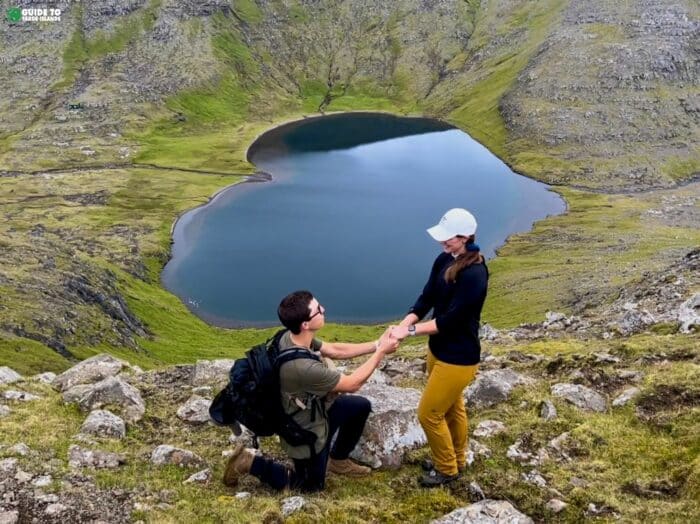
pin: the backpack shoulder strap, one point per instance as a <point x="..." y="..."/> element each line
<point x="294" y="353"/>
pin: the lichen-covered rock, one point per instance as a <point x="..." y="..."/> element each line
<point x="170" y="455"/>
<point x="547" y="410"/>
<point x="104" y="423"/>
<point x="19" y="396"/>
<point x="75" y="393"/>
<point x="8" y="375"/>
<point x="489" y="428"/>
<point x="201" y="477"/>
<point x="87" y="458"/>
<point x="291" y="505"/>
<point x="624" y="397"/>
<point x="493" y="386"/>
<point x="45" y="378"/>
<point x="392" y="428"/>
<point x="9" y="517"/>
<point x="580" y="396"/>
<point x="212" y="372"/>
<point x="487" y="511"/>
<point x="115" y="391"/>
<point x="195" y="410"/>
<point x="89" y="371"/>
<point x="688" y="314"/>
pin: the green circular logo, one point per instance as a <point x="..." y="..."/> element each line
<point x="14" y="14"/>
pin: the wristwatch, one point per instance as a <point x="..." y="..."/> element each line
<point x="412" y="330"/>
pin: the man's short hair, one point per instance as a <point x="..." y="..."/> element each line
<point x="294" y="310"/>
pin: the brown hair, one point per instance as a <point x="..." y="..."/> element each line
<point x="293" y="311"/>
<point x="463" y="261"/>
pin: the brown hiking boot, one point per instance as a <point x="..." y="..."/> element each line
<point x="238" y="464"/>
<point x="348" y="468"/>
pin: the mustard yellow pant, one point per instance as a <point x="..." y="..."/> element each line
<point x="442" y="414"/>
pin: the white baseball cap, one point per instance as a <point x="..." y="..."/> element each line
<point x="455" y="222"/>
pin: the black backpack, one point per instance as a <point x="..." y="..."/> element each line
<point x="252" y="396"/>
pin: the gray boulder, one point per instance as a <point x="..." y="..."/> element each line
<point x="212" y="372"/>
<point x="580" y="396"/>
<point x="169" y="455"/>
<point x="8" y="376"/>
<point x="87" y="458"/>
<point x="633" y="321"/>
<point x="4" y="411"/>
<point x="115" y="391"/>
<point x="392" y="428"/>
<point x="104" y="424"/>
<point x="493" y="386"/>
<point x="75" y="393"/>
<point x="487" y="511"/>
<point x="89" y="371"/>
<point x="195" y="410"/>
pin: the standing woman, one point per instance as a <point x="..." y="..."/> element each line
<point x="455" y="291"/>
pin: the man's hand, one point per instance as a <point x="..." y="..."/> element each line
<point x="387" y="343"/>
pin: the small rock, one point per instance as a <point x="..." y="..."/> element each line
<point x="22" y="476"/>
<point x="243" y="495"/>
<point x="486" y="332"/>
<point x="201" y="477"/>
<point x="534" y="477"/>
<point x="487" y="511"/>
<point x="489" y="428"/>
<point x="75" y="393"/>
<point x="578" y="482"/>
<point x="20" y="449"/>
<point x="493" y="386"/>
<point x="203" y="390"/>
<point x="688" y="314"/>
<point x="476" y="492"/>
<point x="9" y="376"/>
<point x="89" y="371"/>
<point x="166" y="454"/>
<point x="547" y="410"/>
<point x="55" y="509"/>
<point x="115" y="390"/>
<point x="104" y="423"/>
<point x="42" y="481"/>
<point x="606" y="358"/>
<point x="625" y="397"/>
<point x="9" y="517"/>
<point x="212" y="372"/>
<point x="4" y="411"/>
<point x="580" y="396"/>
<point x="49" y="498"/>
<point x="195" y="410"/>
<point x="292" y="505"/>
<point x="556" y="505"/>
<point x="8" y="467"/>
<point x="45" y="378"/>
<point x="20" y="396"/>
<point x="79" y="457"/>
<point x="630" y="374"/>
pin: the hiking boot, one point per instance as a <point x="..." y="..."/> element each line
<point x="434" y="478"/>
<point x="238" y="464"/>
<point x="348" y="468"/>
<point x="427" y="465"/>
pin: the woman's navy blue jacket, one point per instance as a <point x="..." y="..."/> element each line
<point x="456" y="309"/>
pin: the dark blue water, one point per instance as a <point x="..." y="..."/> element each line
<point x="345" y="217"/>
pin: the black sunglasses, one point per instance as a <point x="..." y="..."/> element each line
<point x="321" y="311"/>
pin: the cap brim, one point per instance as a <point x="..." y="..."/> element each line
<point x="439" y="233"/>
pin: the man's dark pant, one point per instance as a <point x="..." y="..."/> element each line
<point x="347" y="415"/>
